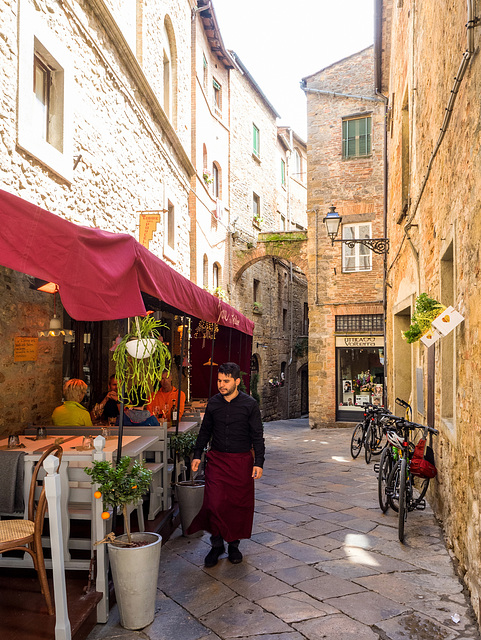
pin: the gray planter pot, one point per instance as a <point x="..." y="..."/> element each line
<point x="190" y="498"/>
<point x="135" y="573"/>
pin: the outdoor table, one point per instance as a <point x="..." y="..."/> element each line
<point x="132" y="446"/>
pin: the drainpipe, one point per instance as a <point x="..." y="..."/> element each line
<point x="336" y="94"/>
<point x="291" y="338"/>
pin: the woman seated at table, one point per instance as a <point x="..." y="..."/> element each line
<point x="139" y="416"/>
<point x="71" y="412"/>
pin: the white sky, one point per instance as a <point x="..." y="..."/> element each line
<point x="282" y="41"/>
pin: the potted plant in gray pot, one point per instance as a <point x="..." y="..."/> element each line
<point x="189" y="493"/>
<point x="134" y="557"/>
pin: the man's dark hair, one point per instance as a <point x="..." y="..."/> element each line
<point x="230" y="369"/>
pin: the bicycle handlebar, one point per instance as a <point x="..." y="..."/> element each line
<point x="403" y="403"/>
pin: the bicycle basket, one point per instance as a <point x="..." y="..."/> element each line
<point x="422" y="462"/>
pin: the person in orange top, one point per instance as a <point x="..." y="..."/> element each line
<point x="163" y="399"/>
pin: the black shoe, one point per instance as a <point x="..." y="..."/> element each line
<point x="235" y="556"/>
<point x="213" y="556"/>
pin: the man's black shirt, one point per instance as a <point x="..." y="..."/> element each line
<point x="234" y="427"/>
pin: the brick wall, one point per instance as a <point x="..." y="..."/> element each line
<point x="355" y="187"/>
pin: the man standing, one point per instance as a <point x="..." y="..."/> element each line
<point x="165" y="397"/>
<point x="233" y="425"/>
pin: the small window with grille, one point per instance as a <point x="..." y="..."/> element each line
<point x="372" y="323"/>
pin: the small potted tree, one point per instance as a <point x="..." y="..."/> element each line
<point x="134" y="557"/>
<point x="189" y="493"/>
<point x="140" y="358"/>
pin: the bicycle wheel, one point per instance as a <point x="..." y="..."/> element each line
<point x="368" y="444"/>
<point x="393" y="487"/>
<point x="403" y="498"/>
<point x="378" y="434"/>
<point x="419" y="487"/>
<point x="357" y="439"/>
<point x="385" y="466"/>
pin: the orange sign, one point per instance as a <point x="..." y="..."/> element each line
<point x="25" y="349"/>
<point x="147" y="224"/>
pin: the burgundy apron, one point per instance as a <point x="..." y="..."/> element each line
<point x="228" y="507"/>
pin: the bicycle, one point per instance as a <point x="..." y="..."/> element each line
<point x="366" y="430"/>
<point x="389" y="454"/>
<point x="405" y="492"/>
<point x="375" y="432"/>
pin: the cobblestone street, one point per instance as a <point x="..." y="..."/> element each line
<point x="323" y="561"/>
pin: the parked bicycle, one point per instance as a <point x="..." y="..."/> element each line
<point x="368" y="433"/>
<point x="405" y="489"/>
<point x="390" y="452"/>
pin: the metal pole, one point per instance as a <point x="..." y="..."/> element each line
<point x="211" y="361"/>
<point x="180" y="374"/>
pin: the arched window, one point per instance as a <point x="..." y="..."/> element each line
<point x="216" y="272"/>
<point x="205" y="281"/>
<point x="170" y="71"/>
<point x="297" y="165"/>
<point x="216" y="180"/>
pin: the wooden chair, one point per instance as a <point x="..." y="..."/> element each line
<point x="26" y="535"/>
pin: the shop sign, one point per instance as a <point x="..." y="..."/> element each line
<point x="359" y="341"/>
<point x="25" y="349"/>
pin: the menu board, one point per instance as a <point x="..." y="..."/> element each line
<point x="25" y="349"/>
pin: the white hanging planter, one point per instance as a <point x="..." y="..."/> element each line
<point x="142" y="348"/>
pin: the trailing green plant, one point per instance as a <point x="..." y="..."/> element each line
<point x="300" y="347"/>
<point x="121" y="484"/>
<point x="425" y="311"/>
<point x="242" y="386"/>
<point x="255" y="387"/>
<point x="138" y="376"/>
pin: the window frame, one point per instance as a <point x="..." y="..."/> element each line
<point x="358" y="251"/>
<point x="283" y="172"/>
<point x="35" y="40"/>
<point x="217" y="101"/>
<point x="346" y="138"/>
<point x="256" y="141"/>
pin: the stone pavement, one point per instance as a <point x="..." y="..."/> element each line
<point x="323" y="561"/>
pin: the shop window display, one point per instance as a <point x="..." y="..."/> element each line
<point x="360" y="378"/>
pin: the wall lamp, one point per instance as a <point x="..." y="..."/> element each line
<point x="262" y="344"/>
<point x="333" y="222"/>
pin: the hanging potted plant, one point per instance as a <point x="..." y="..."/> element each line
<point x="134" y="557"/>
<point x="426" y="310"/>
<point x="189" y="493"/>
<point x="140" y="358"/>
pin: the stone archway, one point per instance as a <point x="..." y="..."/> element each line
<point x="287" y="245"/>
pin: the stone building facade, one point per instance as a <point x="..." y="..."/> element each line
<point x="115" y="108"/>
<point x="345" y="169"/>
<point x="267" y="200"/>
<point x="434" y="191"/>
<point x="94" y="142"/>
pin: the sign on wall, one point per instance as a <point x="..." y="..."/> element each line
<point x="25" y="349"/>
<point x="359" y="341"/>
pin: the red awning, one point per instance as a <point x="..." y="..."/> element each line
<point x="100" y="274"/>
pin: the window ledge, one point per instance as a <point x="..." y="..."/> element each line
<point x="347" y="158"/>
<point x="256" y="158"/>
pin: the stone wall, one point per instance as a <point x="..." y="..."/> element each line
<point x="278" y="328"/>
<point x="355" y="187"/>
<point x="128" y="163"/>
<point x="440" y="255"/>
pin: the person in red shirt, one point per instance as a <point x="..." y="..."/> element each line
<point x="161" y="402"/>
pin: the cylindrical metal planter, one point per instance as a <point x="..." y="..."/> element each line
<point x="135" y="573"/>
<point x="190" y="497"/>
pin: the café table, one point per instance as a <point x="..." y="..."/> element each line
<point x="75" y="453"/>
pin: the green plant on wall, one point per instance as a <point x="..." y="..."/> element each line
<point x="425" y="311"/>
<point x="120" y="485"/>
<point x="136" y="375"/>
<point x="300" y="347"/>
<point x="242" y="386"/>
<point x="254" y="387"/>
